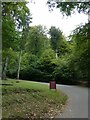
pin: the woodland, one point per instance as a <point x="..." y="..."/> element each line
<point x="35" y="53"/>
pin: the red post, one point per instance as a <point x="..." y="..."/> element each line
<point x="52" y="84"/>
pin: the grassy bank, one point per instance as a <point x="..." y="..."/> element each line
<point x="26" y="99"/>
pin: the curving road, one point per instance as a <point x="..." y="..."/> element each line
<point x="77" y="106"/>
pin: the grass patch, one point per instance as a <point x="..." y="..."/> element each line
<point x="25" y="99"/>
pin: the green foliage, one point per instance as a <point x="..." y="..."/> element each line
<point x="67" y="8"/>
<point x="15" y="16"/>
<point x="81" y="38"/>
<point x="38" y="61"/>
<point x="48" y="64"/>
<point x="64" y="47"/>
<point x="70" y="67"/>
<point x="40" y="69"/>
<point x="78" y="48"/>
<point x="37" y="40"/>
<point x="56" y="36"/>
<point x="12" y="63"/>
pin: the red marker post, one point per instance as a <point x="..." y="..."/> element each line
<point x="52" y="84"/>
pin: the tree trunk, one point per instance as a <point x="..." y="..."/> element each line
<point x="19" y="65"/>
<point x="89" y="15"/>
<point x="5" y="69"/>
<point x="56" y="54"/>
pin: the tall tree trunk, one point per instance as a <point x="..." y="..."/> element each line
<point x="19" y="64"/>
<point x="5" y="69"/>
<point x="89" y="15"/>
<point x="56" y="54"/>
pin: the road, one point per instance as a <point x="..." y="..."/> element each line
<point x="77" y="106"/>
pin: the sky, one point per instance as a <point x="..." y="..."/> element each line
<point x="42" y="16"/>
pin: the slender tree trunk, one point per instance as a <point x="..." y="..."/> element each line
<point x="89" y="15"/>
<point x="56" y="54"/>
<point x="19" y="64"/>
<point x="5" y="69"/>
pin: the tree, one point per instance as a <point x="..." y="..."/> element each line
<point x="37" y="40"/>
<point x="15" y="15"/>
<point x="8" y="33"/>
<point x="64" y="47"/>
<point x="80" y="36"/>
<point x="56" y="36"/>
<point x="67" y="8"/>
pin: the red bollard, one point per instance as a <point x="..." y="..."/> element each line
<point x="52" y="84"/>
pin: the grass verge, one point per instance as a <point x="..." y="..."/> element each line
<point x="25" y="99"/>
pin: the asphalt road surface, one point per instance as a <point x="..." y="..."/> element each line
<point x="77" y="105"/>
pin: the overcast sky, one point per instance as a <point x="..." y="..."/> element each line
<point x="42" y="16"/>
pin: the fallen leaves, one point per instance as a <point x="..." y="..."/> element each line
<point x="31" y="104"/>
